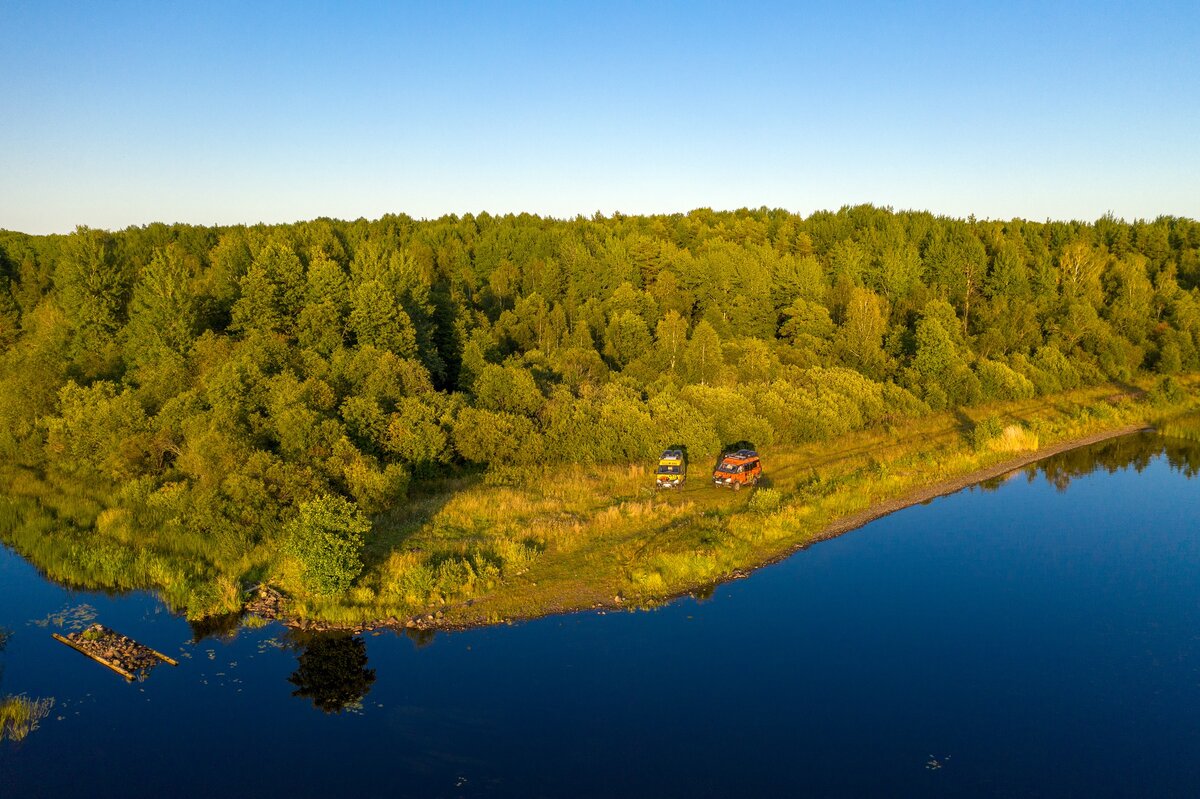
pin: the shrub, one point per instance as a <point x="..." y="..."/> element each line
<point x="991" y="435"/>
<point x="327" y="538"/>
<point x="986" y="430"/>
<point x="1060" y="373"/>
<point x="999" y="381"/>
<point x="1167" y="390"/>
<point x="416" y="583"/>
<point x="766" y="500"/>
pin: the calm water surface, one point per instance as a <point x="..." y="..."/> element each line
<point x="1040" y="637"/>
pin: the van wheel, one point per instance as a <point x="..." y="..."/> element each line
<point x="737" y="486"/>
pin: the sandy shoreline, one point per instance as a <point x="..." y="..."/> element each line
<point x="840" y="527"/>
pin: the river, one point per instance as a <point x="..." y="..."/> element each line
<point x="1038" y="636"/>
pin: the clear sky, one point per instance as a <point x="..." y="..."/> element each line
<point x="116" y="114"/>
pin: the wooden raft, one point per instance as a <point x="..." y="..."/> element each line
<point x="127" y="675"/>
<point x="115" y="651"/>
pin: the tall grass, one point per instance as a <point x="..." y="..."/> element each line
<point x="1186" y="427"/>
<point x="20" y="715"/>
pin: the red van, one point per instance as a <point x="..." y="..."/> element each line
<point x="737" y="469"/>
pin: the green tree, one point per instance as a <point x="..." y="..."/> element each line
<point x="626" y="339"/>
<point x="415" y="433"/>
<point x="859" y="339"/>
<point x="10" y="316"/>
<point x="322" y="320"/>
<point x="670" y="338"/>
<point x="327" y="537"/>
<point x="100" y="428"/>
<point x="510" y="389"/>
<point x="164" y="314"/>
<point x="496" y="437"/>
<point x="272" y="290"/>
<point x="377" y="320"/>
<point x="941" y="370"/>
<point x="702" y="359"/>
<point x="806" y="324"/>
<point x="93" y="283"/>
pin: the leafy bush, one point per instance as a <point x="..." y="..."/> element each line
<point x="766" y="500"/>
<point x="986" y="430"/>
<point x="327" y="538"/>
<point x="1168" y="390"/>
<point x="992" y="435"/>
<point x="999" y="381"/>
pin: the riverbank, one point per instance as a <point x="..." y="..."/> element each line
<point x="450" y="622"/>
<point x="601" y="539"/>
<point x="489" y="548"/>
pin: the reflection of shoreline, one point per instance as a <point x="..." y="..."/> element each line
<point x="1002" y="471"/>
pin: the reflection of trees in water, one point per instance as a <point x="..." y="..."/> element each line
<point x="993" y="483"/>
<point x="223" y="627"/>
<point x="333" y="672"/>
<point x="422" y="638"/>
<point x="1135" y="451"/>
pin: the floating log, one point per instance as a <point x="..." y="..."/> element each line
<point x="161" y="656"/>
<point x="127" y="675"/>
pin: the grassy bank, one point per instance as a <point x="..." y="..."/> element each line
<point x="487" y="547"/>
<point x="568" y="538"/>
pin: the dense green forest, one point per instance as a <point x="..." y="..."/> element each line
<point x="275" y="387"/>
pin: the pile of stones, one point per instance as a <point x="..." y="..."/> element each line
<point x="266" y="602"/>
<point x="106" y="645"/>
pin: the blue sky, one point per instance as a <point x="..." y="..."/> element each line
<point x="119" y="114"/>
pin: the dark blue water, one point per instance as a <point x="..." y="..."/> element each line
<point x="1041" y="638"/>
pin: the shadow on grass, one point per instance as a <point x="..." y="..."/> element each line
<point x="965" y="424"/>
<point x="426" y="499"/>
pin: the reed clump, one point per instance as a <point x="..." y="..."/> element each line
<point x="1186" y="427"/>
<point x="20" y="715"/>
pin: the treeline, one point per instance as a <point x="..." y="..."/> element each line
<point x="220" y="377"/>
